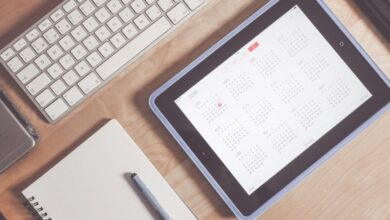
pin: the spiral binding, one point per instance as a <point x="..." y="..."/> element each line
<point x="37" y="209"/>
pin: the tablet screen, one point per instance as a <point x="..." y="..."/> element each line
<point x="273" y="99"/>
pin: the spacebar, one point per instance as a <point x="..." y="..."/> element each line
<point x="133" y="48"/>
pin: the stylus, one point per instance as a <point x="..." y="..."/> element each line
<point x="149" y="196"/>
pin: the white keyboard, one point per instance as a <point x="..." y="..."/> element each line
<point x="81" y="44"/>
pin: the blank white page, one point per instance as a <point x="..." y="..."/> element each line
<point x="90" y="182"/>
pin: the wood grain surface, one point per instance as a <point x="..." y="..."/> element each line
<point x="354" y="184"/>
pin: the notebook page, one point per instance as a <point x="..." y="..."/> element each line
<point x="90" y="182"/>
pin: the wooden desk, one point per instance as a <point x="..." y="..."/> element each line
<point x="355" y="184"/>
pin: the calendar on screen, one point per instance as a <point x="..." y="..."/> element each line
<point x="273" y="99"/>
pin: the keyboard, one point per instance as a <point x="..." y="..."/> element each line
<point x="79" y="46"/>
<point x="379" y="13"/>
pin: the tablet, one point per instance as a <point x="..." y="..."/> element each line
<point x="271" y="101"/>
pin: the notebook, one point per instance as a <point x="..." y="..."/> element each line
<point x="90" y="183"/>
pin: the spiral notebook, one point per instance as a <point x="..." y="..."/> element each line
<point x="90" y="182"/>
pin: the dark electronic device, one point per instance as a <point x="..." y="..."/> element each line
<point x="271" y="101"/>
<point x="379" y="13"/>
<point x="17" y="136"/>
<point x="2" y="217"/>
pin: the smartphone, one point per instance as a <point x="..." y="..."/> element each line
<point x="17" y="136"/>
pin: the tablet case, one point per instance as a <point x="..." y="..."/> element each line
<point x="299" y="178"/>
<point x="17" y="136"/>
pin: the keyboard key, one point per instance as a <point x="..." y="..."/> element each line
<point x="20" y="44"/>
<point x="45" y="98"/>
<point x="28" y="73"/>
<point x="193" y="4"/>
<point x="7" y="54"/>
<point x="178" y="13"/>
<point x="39" y="45"/>
<point x="106" y="50"/>
<point x="153" y="12"/>
<point x="58" y="87"/>
<point x="114" y="24"/>
<point x="39" y="83"/>
<point x="75" y="17"/>
<point x="126" y="15"/>
<point x="94" y="59"/>
<point x="165" y="4"/>
<point x="79" y="33"/>
<point x="103" y="33"/>
<point x="70" y="5"/>
<point x="55" y="70"/>
<point x="32" y="35"/>
<point x="138" y="6"/>
<point x="89" y="83"/>
<point x="82" y="68"/>
<point x="55" y="52"/>
<point x="87" y="8"/>
<point x="130" y="31"/>
<point x="15" y="64"/>
<point x="70" y="77"/>
<point x="79" y="52"/>
<point x="56" y="109"/>
<point x="67" y="42"/>
<point x="67" y="61"/>
<point x="99" y="2"/>
<point x="90" y="24"/>
<point x="133" y="48"/>
<point x="51" y="36"/>
<point x="27" y="54"/>
<point x="90" y="43"/>
<point x="42" y="61"/>
<point x="126" y="1"/>
<point x="63" y="26"/>
<point x="73" y="95"/>
<point x="114" y="6"/>
<point x="118" y="40"/>
<point x="44" y="25"/>
<point x="102" y="15"/>
<point x="142" y="21"/>
<point x="57" y="15"/>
